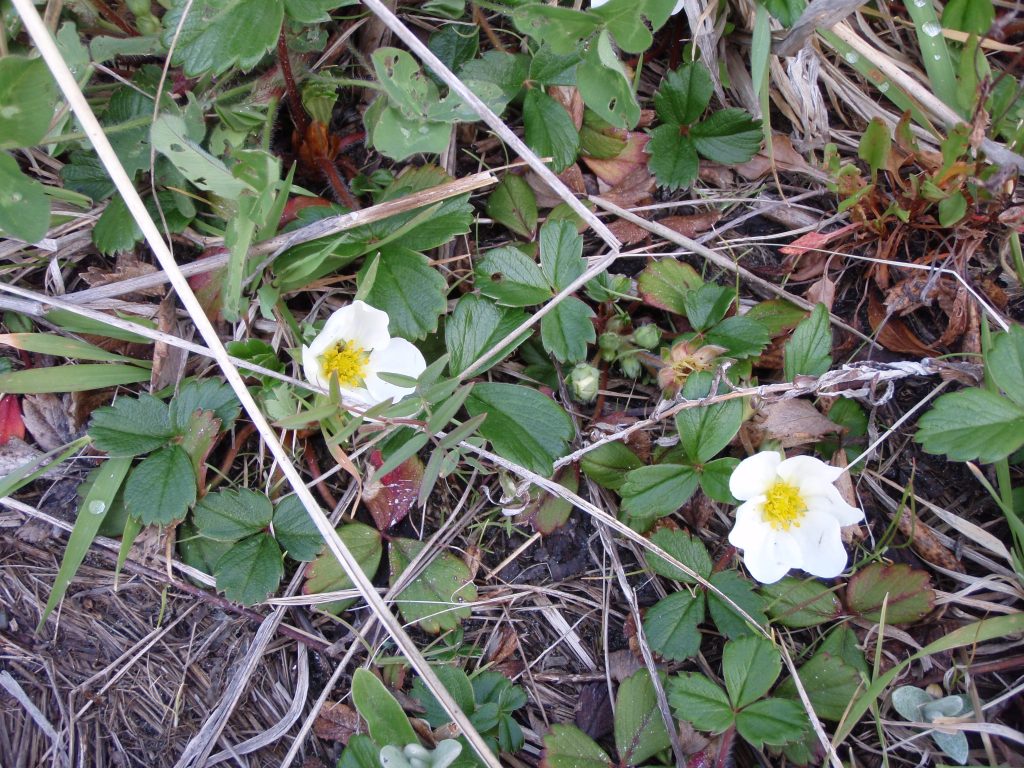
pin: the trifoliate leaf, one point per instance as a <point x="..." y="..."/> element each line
<point x="549" y="130"/>
<point x="475" y="326"/>
<point x="162" y="488"/>
<point x="439" y="597"/>
<point x="639" y="727"/>
<point x="27" y="97"/>
<point x="730" y="136"/>
<point x="295" y="531"/>
<point x="567" y="330"/>
<point x="684" y="94"/>
<point x="511" y="277"/>
<point x="132" y="425"/>
<point x="670" y="625"/>
<point x="523" y="425"/>
<point x="209" y="39"/>
<point x="408" y="289"/>
<point x="973" y="424"/>
<point x="251" y="570"/>
<point x="24" y="206"/>
<point x="232" y="515"/>
<point x="673" y="157"/>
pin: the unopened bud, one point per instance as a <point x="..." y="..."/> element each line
<point x="647" y="336"/>
<point x="584" y="382"/>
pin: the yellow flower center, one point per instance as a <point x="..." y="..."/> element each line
<point x="784" y="507"/>
<point x="346" y="361"/>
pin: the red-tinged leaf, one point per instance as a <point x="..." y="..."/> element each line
<point x="814" y="241"/>
<point x="906" y="593"/>
<point x="11" y="424"/>
<point x="614" y="170"/>
<point x="299" y="203"/>
<point x="208" y="286"/>
<point x="389" y="498"/>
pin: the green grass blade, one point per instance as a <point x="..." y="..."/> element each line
<point x="934" y="51"/>
<point x="60" y="346"/>
<point x="97" y="501"/>
<point x="71" y="378"/>
<point x="36" y="468"/>
<point x="131" y="531"/>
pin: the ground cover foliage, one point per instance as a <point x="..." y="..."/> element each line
<point x="534" y="299"/>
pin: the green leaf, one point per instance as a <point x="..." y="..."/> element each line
<point x="566" y="746"/>
<point x="809" y="352"/>
<point x="162" y="488"/>
<point x="750" y="666"/>
<point x="438" y="598"/>
<point x="708" y="304"/>
<point x="772" y="721"/>
<point x="197" y="551"/>
<point x="360" y="752"/>
<point x="653" y="492"/>
<point x="71" y="378"/>
<point x="456" y="682"/>
<point x="325" y="573"/>
<point x="209" y="43"/>
<point x="607" y="465"/>
<point x="706" y="430"/>
<point x="501" y="74"/>
<point x="974" y="17"/>
<point x="714" y="479"/>
<point x="295" y="531"/>
<point x="62" y="346"/>
<point x="567" y="330"/>
<point x="798" y="603"/>
<point x="383" y="714"/>
<point x="494" y="689"/>
<point x="474" y="327"/>
<point x="116" y="230"/>
<point x="952" y="209"/>
<point x="972" y="424"/>
<point x="550" y="131"/>
<point x="776" y="315"/>
<point x="27" y="98"/>
<point x="561" y="28"/>
<point x="561" y="254"/>
<point x="670" y="625"/>
<point x="729" y="136"/>
<point x="105" y="481"/>
<point x="455" y="45"/>
<point x="169" y="136"/>
<point x="842" y="643"/>
<point x="687" y="549"/>
<point x="511" y="277"/>
<point x="514" y="205"/>
<point x="786" y="11"/>
<point x="408" y="289"/>
<point x="523" y="425"/>
<point x="628" y="21"/>
<point x="906" y="593"/>
<point x="684" y="94"/>
<point x="251" y="570"/>
<point x="831" y="684"/>
<point x="875" y="145"/>
<point x="24" y="206"/>
<point x="665" y="283"/>
<point x="741" y="592"/>
<point x="132" y="425"/>
<point x="1005" y="363"/>
<point x="700" y="702"/>
<point x="742" y="336"/>
<point x="204" y="395"/>
<point x="232" y="515"/>
<point x="674" y="160"/>
<point x="604" y="84"/>
<point x="639" y="727"/>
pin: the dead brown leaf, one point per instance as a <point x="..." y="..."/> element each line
<point x="786" y="159"/>
<point x="892" y="333"/>
<point x="571" y="100"/>
<point x="47" y="420"/>
<point x="792" y="422"/>
<point x="612" y="171"/>
<point x="126" y="267"/>
<point x="337" y="722"/>
<point x="693" y="224"/>
<point x="925" y="543"/>
<point x="627" y="232"/>
<point x="822" y="291"/>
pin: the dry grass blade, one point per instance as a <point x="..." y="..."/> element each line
<point x="69" y="86"/>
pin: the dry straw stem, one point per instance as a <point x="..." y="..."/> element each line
<point x="66" y="81"/>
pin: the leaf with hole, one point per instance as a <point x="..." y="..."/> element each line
<point x="511" y="277"/>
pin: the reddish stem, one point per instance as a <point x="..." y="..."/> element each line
<point x="299" y="117"/>
<point x="337" y="183"/>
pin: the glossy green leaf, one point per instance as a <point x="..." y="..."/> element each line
<point x="438" y="598"/>
<point x="684" y="94"/>
<point x="906" y="593"/>
<point x="656" y="491"/>
<point x="639" y="727"/>
<point x="523" y="425"/>
<point x="231" y="515"/>
<point x="550" y="131"/>
<point x="750" y="666"/>
<point x="561" y="254"/>
<point x="132" y="425"/>
<point x="729" y="136"/>
<point x="670" y="625"/>
<point x="809" y="351"/>
<point x="513" y="204"/>
<point x="776" y="315"/>
<point x="561" y="28"/>
<point x="24" y="206"/>
<point x="714" y="479"/>
<point x="631" y="21"/>
<point x="456" y="682"/>
<point x="383" y="714"/>
<point x="875" y="145"/>
<point x="408" y="289"/>
<point x="972" y="16"/>
<point x="204" y="395"/>
<point x="251" y="570"/>
<point x="700" y="702"/>
<point x="673" y="157"/>
<point x="162" y="488"/>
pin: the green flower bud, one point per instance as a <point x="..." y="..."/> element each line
<point x="630" y="366"/>
<point x="609" y="344"/>
<point x="647" y="336"/>
<point x="584" y="381"/>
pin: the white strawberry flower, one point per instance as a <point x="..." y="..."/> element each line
<point x="790" y="517"/>
<point x="355" y="346"/>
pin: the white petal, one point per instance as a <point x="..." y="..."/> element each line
<point x="358" y="322"/>
<point x="401" y="357"/>
<point x="800" y="468"/>
<point x="357" y="396"/>
<point x="750" y="529"/>
<point x="754" y="475"/>
<point x="311" y="367"/>
<point x="821" y="545"/>
<point x="679" y="7"/>
<point x="772" y="559"/>
<point x="825" y="497"/>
